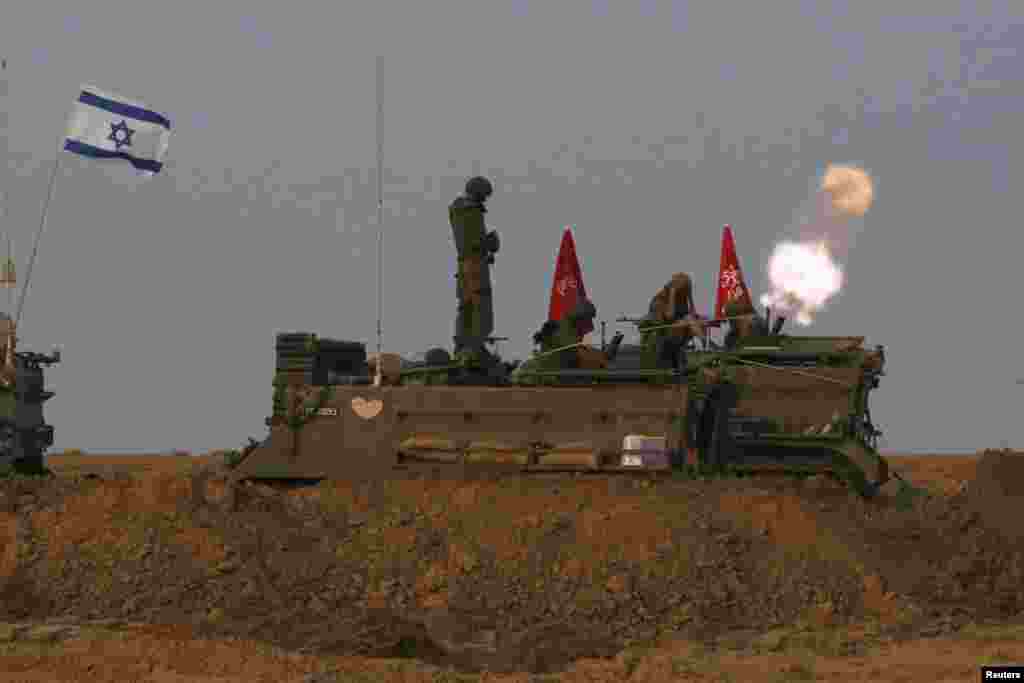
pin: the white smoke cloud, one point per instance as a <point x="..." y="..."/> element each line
<point x="804" y="275"/>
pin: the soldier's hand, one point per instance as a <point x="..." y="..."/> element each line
<point x="493" y="242"/>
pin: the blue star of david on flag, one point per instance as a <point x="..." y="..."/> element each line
<point x="110" y="127"/>
<point x="120" y="134"/>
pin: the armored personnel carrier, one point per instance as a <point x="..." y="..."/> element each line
<point x="24" y="433"/>
<point x="766" y="401"/>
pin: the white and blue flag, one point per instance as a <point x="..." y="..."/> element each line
<point x="107" y="126"/>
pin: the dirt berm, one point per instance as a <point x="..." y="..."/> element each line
<point x="514" y="574"/>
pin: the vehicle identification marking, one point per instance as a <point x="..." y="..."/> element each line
<point x="367" y="409"/>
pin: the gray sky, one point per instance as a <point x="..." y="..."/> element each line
<point x="647" y="125"/>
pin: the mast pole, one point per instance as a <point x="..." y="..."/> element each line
<point x="3" y="193"/>
<point x="10" y="286"/>
<point x="39" y="234"/>
<point x="380" y="222"/>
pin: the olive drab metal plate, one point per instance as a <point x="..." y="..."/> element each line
<point x="362" y="440"/>
<point x="347" y="439"/>
<point x="777" y="401"/>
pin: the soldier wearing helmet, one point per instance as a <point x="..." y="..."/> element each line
<point x="744" y="322"/>
<point x="560" y="344"/>
<point x="476" y="248"/>
<point x="8" y="370"/>
<point x="8" y="382"/>
<point x="671" y="323"/>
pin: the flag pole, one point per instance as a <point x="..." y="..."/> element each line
<point x="3" y="209"/>
<point x="39" y="234"/>
<point x="10" y="288"/>
<point x="380" y="223"/>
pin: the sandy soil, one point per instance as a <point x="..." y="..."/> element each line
<point x="156" y="569"/>
<point x="156" y="657"/>
<point x="944" y="473"/>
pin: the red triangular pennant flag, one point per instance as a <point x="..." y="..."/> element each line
<point x="567" y="285"/>
<point x="731" y="285"/>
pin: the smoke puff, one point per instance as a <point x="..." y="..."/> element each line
<point x="850" y="188"/>
<point x="804" y="277"/>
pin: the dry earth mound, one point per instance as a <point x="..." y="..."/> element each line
<point x="511" y="575"/>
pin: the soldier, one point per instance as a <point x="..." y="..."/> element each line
<point x="476" y="248"/>
<point x="8" y="371"/>
<point x="744" y="322"/>
<point x="8" y="387"/>
<point x="671" y="316"/>
<point x="563" y="334"/>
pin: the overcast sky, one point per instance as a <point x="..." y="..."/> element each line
<point x="647" y="125"/>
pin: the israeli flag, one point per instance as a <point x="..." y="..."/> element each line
<point x="108" y="126"/>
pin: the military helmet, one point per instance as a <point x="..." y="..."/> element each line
<point x="584" y="310"/>
<point x="479" y="187"/>
<point x="437" y="357"/>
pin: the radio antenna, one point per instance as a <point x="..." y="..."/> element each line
<point x="380" y="223"/>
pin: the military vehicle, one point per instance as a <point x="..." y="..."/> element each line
<point x="24" y="433"/>
<point x="766" y="402"/>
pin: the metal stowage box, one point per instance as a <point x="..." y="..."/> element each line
<point x="639" y="450"/>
